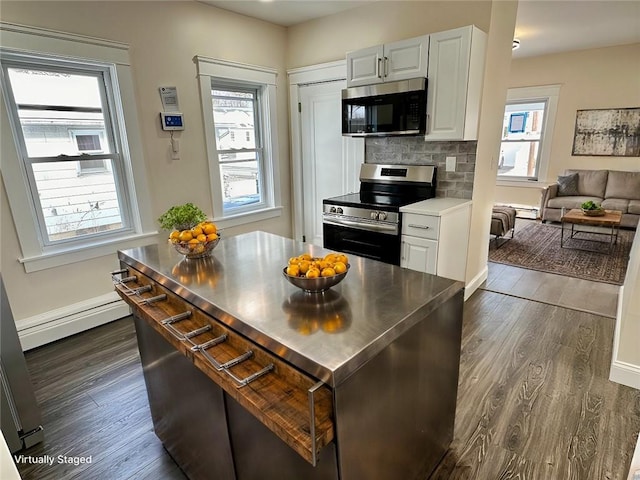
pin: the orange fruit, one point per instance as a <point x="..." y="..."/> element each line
<point x="305" y="256"/>
<point x="201" y="238"/>
<point x="342" y="258"/>
<point x="209" y="228"/>
<point x="174" y="235"/>
<point x="195" y="231"/>
<point x="313" y="273"/>
<point x="328" y="272"/>
<point x="330" y="257"/>
<point x="294" y="261"/>
<point x="185" y="236"/>
<point x="293" y="270"/>
<point x="304" y="266"/>
<point x="212" y="237"/>
<point x="339" y="267"/>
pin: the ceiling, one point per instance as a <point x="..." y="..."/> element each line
<point x="542" y="26"/>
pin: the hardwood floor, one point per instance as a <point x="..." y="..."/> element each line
<point x="94" y="403"/>
<point x="576" y="294"/>
<point x="534" y="400"/>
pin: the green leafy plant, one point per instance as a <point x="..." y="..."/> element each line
<point x="590" y="205"/>
<point x="181" y="217"/>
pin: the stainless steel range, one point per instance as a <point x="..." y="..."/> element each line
<point x="369" y="223"/>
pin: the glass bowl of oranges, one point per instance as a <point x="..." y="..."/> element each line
<point x="196" y="242"/>
<point x="316" y="274"/>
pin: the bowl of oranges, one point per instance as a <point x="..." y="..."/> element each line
<point x="316" y="274"/>
<point x="196" y="242"/>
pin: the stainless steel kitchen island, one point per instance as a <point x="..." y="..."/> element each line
<point x="249" y="377"/>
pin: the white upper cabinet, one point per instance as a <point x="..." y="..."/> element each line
<point x="454" y="87"/>
<point x="389" y="62"/>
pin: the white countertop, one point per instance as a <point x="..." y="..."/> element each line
<point x="436" y="206"/>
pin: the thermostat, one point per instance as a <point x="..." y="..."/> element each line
<point x="171" y="121"/>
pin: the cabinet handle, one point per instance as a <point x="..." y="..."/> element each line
<point x="378" y="69"/>
<point x="386" y="66"/>
<point x="428" y="126"/>
<point x="423" y="227"/>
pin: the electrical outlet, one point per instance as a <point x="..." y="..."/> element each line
<point x="451" y="164"/>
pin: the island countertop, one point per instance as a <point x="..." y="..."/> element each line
<point x="327" y="335"/>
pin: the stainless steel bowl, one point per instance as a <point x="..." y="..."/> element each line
<point x="315" y="285"/>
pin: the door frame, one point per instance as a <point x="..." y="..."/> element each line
<point x="324" y="72"/>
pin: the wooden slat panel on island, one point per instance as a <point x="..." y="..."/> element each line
<point x="278" y="399"/>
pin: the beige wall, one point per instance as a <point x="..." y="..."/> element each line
<point x="329" y="38"/>
<point x="597" y="78"/>
<point x="494" y="94"/>
<point x="164" y="37"/>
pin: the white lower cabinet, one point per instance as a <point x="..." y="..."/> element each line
<point x="435" y="237"/>
<point x="419" y="254"/>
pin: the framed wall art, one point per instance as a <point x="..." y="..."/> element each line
<point x="607" y="132"/>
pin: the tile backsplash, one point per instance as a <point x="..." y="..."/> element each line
<point x="415" y="151"/>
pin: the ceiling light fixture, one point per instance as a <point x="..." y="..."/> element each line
<point x="516" y="44"/>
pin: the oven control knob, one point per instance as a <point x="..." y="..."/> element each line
<point x="332" y="210"/>
<point x="339" y="210"/>
<point x="374" y="215"/>
<point x="382" y="215"/>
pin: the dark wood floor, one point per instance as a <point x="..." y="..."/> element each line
<point x="534" y="400"/>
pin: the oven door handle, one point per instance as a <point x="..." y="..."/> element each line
<point x="387" y="228"/>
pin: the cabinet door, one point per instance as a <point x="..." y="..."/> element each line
<point x="449" y="54"/>
<point x="406" y="59"/>
<point x="419" y="254"/>
<point x="364" y="67"/>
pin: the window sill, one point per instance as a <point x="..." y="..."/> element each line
<point x="522" y="183"/>
<point x="86" y="252"/>
<point x="248" y="217"/>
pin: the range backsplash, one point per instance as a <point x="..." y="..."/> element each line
<point x="415" y="151"/>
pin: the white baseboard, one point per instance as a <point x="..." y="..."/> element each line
<point x="625" y="374"/>
<point x="60" y="323"/>
<point x="475" y="282"/>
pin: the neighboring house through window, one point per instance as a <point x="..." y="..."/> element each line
<point x="238" y="103"/>
<point x="72" y="173"/>
<point x="526" y="134"/>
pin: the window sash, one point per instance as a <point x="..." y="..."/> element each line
<point x="257" y="151"/>
<point x="539" y="138"/>
<point x="103" y="73"/>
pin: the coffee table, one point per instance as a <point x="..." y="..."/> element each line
<point x="611" y="220"/>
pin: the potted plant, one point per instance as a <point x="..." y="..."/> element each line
<point x="191" y="234"/>
<point x="181" y="217"/>
<point x="592" y="209"/>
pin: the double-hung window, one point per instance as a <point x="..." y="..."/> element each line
<point x="526" y="134"/>
<point x="50" y="100"/>
<point x="72" y="182"/>
<point x="239" y="110"/>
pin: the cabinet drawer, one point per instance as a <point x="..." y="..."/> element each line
<point x="421" y="226"/>
<point x="293" y="405"/>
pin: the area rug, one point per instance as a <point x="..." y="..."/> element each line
<point x="537" y="247"/>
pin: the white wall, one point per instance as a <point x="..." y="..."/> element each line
<point x="163" y="37"/>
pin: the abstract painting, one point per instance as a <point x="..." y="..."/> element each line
<point x="607" y="132"/>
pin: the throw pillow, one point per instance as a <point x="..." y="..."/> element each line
<point x="568" y="185"/>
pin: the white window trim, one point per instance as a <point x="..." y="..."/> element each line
<point x="32" y="40"/>
<point x="550" y="93"/>
<point x="209" y="69"/>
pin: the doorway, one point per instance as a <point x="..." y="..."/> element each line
<point x="325" y="164"/>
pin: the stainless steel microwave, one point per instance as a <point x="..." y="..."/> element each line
<point x="385" y="109"/>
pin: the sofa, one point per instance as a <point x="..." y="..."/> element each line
<point x="613" y="189"/>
